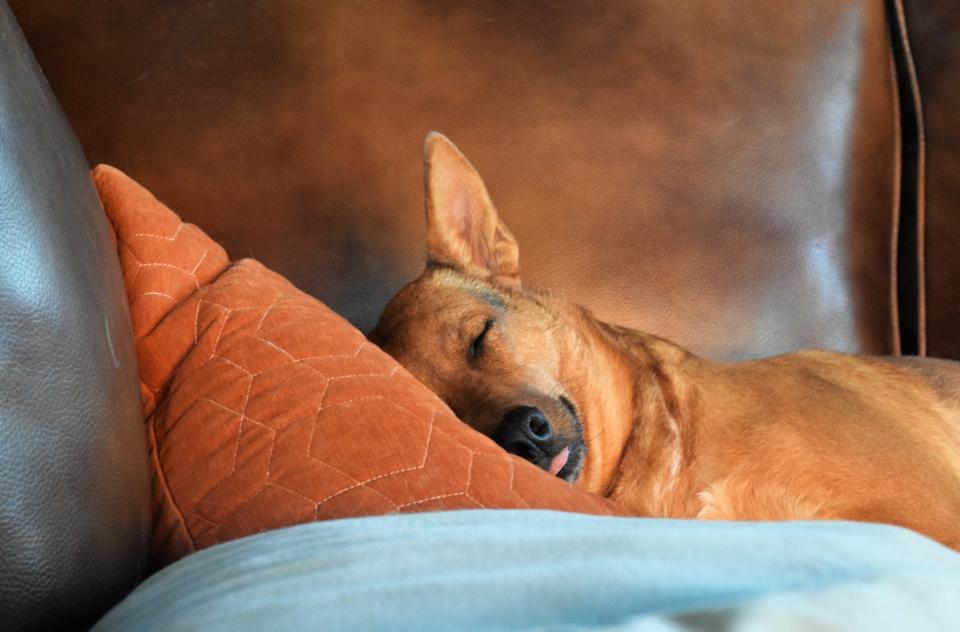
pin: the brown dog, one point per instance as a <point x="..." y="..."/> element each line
<point x="812" y="435"/>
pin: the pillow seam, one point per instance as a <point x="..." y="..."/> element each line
<point x="164" y="487"/>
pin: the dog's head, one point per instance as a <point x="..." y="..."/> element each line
<point x="504" y="358"/>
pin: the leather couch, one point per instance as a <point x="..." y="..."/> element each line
<point x="745" y="180"/>
<point x="74" y="506"/>
<point x="730" y="176"/>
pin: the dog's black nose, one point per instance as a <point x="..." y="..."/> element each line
<point x="526" y="432"/>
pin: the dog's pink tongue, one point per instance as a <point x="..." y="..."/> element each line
<point x="559" y="461"/>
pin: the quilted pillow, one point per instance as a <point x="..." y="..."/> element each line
<point x="266" y="409"/>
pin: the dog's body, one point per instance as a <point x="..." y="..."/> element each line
<point x="812" y="435"/>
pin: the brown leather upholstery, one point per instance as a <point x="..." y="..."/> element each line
<point x="934" y="32"/>
<point x="74" y="499"/>
<point x="721" y="173"/>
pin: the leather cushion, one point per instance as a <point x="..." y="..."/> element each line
<point x="74" y="497"/>
<point x="721" y="173"/>
<point x="934" y="32"/>
<point x="265" y="408"/>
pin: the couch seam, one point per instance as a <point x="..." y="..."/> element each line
<point x="920" y="176"/>
<point x="893" y="246"/>
<point x="906" y="80"/>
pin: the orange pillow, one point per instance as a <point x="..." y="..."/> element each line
<point x="266" y="409"/>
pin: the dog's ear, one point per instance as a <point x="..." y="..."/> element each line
<point x="463" y="228"/>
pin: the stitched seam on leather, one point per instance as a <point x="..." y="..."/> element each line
<point x="893" y="247"/>
<point x="921" y="179"/>
<point x="898" y="40"/>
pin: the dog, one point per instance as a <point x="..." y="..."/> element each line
<point x="642" y="421"/>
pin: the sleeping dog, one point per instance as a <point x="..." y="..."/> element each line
<point x="640" y="420"/>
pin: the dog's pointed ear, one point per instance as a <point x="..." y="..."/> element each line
<point x="463" y="228"/>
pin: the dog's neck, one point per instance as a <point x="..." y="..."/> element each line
<point x="644" y="423"/>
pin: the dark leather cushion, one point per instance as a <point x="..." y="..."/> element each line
<point x="721" y="173"/>
<point x="934" y="31"/>
<point x="74" y="508"/>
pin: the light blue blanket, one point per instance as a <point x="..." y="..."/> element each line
<point x="511" y="570"/>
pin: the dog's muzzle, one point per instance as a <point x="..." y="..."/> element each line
<point x="526" y="432"/>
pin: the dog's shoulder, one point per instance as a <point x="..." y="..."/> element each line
<point x="943" y="376"/>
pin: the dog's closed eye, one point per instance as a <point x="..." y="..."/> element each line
<point x="476" y="346"/>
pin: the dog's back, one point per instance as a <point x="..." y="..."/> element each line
<point x="942" y="375"/>
<point x="817" y="434"/>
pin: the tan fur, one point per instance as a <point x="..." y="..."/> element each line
<point x="811" y="435"/>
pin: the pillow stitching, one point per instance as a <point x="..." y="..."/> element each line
<point x="170" y="266"/>
<point x="513" y="490"/>
<point x="323" y="406"/>
<point x="423" y="464"/>
<point x="203" y="258"/>
<point x="164" y="485"/>
<point x="173" y="371"/>
<point x="154" y="293"/>
<point x="272" y="445"/>
<point x="438" y="497"/>
<point x="163" y="237"/>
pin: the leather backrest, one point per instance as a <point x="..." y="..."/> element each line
<point x="74" y="512"/>
<point x="933" y="30"/>
<point x="719" y="172"/>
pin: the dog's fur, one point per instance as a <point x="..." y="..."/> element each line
<point x="812" y="435"/>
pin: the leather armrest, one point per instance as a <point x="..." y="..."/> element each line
<point x="74" y="515"/>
